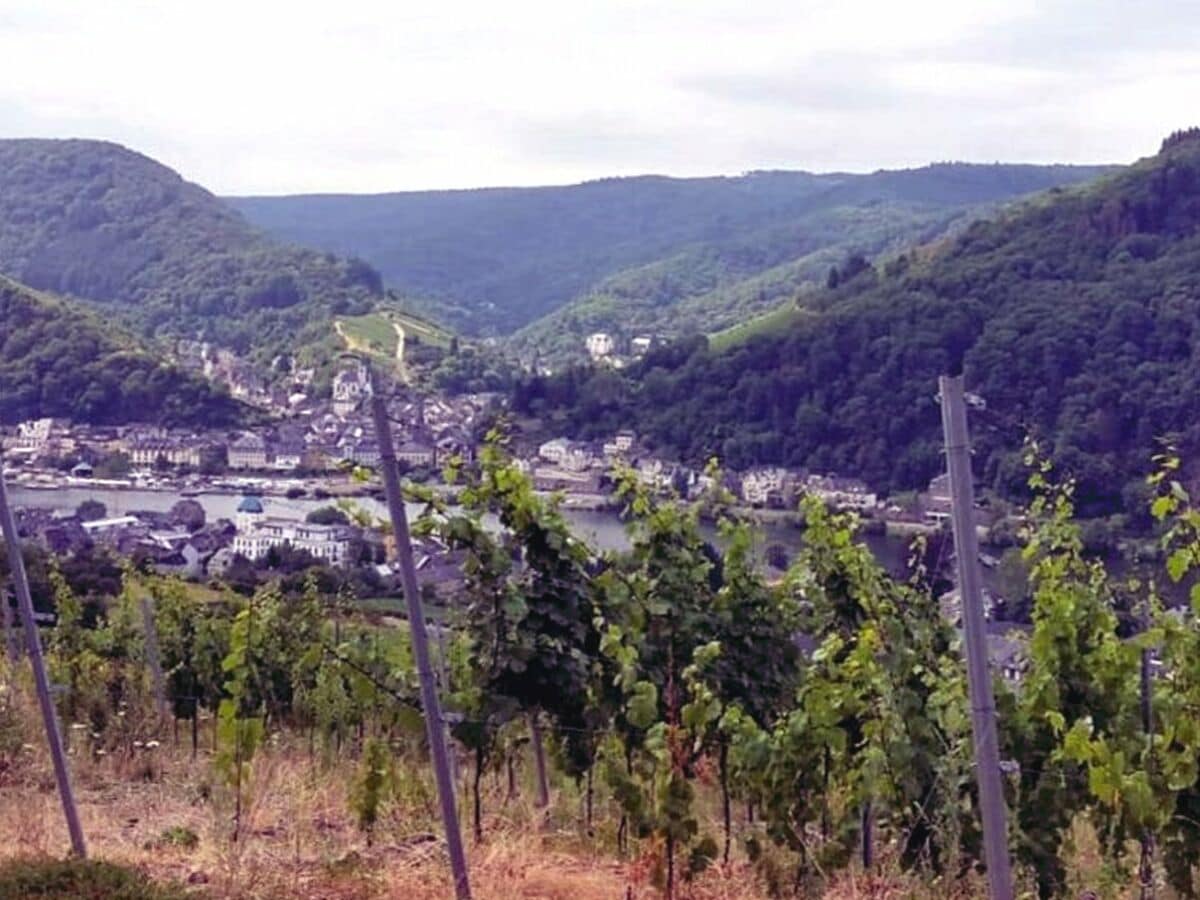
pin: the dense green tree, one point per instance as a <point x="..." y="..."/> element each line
<point x="91" y="510"/>
<point x="113" y="465"/>
<point x="327" y="515"/>
<point x="57" y="359"/>
<point x="189" y="513"/>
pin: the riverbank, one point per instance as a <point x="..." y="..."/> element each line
<point x="343" y="486"/>
<point x="600" y="526"/>
<point x="327" y="487"/>
<point x="791" y="518"/>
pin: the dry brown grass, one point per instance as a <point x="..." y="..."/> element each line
<point x="299" y="840"/>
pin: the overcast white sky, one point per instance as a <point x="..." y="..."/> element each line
<point x="258" y="96"/>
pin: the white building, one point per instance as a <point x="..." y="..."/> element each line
<point x="287" y="455"/>
<point x="656" y="474"/>
<point x="417" y="453"/>
<point x="765" y="485"/>
<point x="570" y="455"/>
<point x="555" y="450"/>
<point x="34" y="434"/>
<point x="937" y="500"/>
<point x="257" y="533"/>
<point x="841" y="493"/>
<point x="620" y="444"/>
<point x="249" y="451"/>
<point x="358" y="449"/>
<point x="149" y="451"/>
<point x="579" y="458"/>
<point x="599" y="345"/>
<point x="104" y="527"/>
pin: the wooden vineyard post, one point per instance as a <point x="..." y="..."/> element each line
<point x="979" y="680"/>
<point x="444" y="664"/>
<point x="539" y="760"/>
<point x="1146" y="688"/>
<point x="153" y="660"/>
<point x="868" y="837"/>
<point x="434" y="723"/>
<point x="33" y="645"/>
<point x="11" y="642"/>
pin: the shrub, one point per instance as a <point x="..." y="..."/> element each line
<point x="373" y="785"/>
<point x="73" y="879"/>
<point x="177" y="836"/>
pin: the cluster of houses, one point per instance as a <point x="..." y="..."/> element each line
<point x="776" y="486"/>
<point x="321" y="439"/>
<point x="427" y="431"/>
<point x="1007" y="642"/>
<point x="172" y="542"/>
<point x="579" y="466"/>
<point x="244" y="380"/>
<point x="606" y="349"/>
<point x="181" y="542"/>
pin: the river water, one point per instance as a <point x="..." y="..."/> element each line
<point x="603" y="530"/>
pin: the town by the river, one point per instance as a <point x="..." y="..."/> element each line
<point x="603" y="529"/>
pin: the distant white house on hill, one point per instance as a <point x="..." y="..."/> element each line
<point x="600" y="345"/>
<point x="641" y="345"/>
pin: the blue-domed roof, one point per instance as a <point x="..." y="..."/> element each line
<point x="250" y="505"/>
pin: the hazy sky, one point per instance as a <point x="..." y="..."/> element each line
<point x="257" y="96"/>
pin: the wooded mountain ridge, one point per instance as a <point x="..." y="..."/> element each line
<point x="1075" y="316"/>
<point x="654" y="254"/>
<point x="99" y="222"/>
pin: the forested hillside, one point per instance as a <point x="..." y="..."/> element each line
<point x="58" y="359"/>
<point x="711" y="286"/>
<point x="1075" y="316"/>
<point x="100" y="222"/>
<point x="648" y="253"/>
